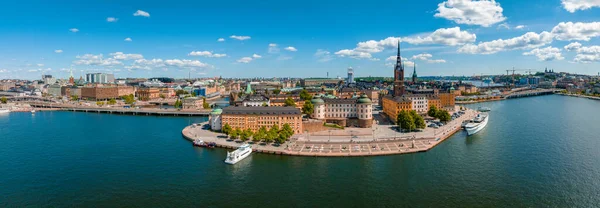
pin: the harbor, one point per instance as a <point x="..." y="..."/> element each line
<point x="380" y="140"/>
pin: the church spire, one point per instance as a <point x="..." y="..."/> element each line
<point x="414" y="76"/>
<point x="398" y="57"/>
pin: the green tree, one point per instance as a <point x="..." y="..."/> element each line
<point x="432" y="111"/>
<point x="178" y="103"/>
<point x="274" y="129"/>
<point x="287" y="130"/>
<point x="304" y="95"/>
<point x="264" y="104"/>
<point x="246" y="134"/>
<point x="181" y="92"/>
<point x="308" y="107"/>
<point x="4" y="100"/>
<point x="193" y="93"/>
<point x="205" y="105"/>
<point x="418" y="120"/>
<point x="281" y="138"/>
<point x="276" y="91"/>
<point x="226" y="129"/>
<point x="128" y="99"/>
<point x="443" y="115"/>
<point x="162" y="96"/>
<point x="235" y="133"/>
<point x="260" y="134"/>
<point x="74" y="98"/>
<point x="112" y="101"/>
<point x="289" y="102"/>
<point x="270" y="137"/>
<point x="100" y="103"/>
<point x="405" y="121"/>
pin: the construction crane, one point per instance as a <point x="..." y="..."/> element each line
<point x="513" y="74"/>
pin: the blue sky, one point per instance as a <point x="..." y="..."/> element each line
<point x="296" y="39"/>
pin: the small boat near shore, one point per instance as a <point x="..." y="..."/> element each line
<point x="4" y="110"/>
<point x="33" y="111"/>
<point x="239" y="154"/>
<point x="484" y="109"/>
<point x="477" y="124"/>
<point x="200" y="143"/>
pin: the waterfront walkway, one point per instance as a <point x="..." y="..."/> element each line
<point x="120" y="110"/>
<point x="330" y="146"/>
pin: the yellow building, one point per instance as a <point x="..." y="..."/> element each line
<point x="393" y="105"/>
<point x="253" y="118"/>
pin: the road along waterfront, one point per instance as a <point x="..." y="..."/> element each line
<point x="382" y="143"/>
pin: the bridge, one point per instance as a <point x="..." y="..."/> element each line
<point x="221" y="103"/>
<point x="529" y="93"/>
<point x="125" y="111"/>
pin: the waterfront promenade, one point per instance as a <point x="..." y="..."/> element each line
<point x="119" y="110"/>
<point x="381" y="141"/>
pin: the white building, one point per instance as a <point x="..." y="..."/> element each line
<point x="344" y="111"/>
<point x="256" y="100"/>
<point x="99" y="78"/>
<point x="419" y="103"/>
<point x="214" y="120"/>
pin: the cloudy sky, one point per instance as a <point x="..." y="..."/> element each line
<point x="274" y="38"/>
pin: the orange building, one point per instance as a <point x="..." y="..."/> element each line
<point x="254" y="118"/>
<point x="146" y="94"/>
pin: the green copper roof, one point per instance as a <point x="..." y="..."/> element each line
<point x="216" y="111"/>
<point x="248" y="88"/>
<point x="317" y="101"/>
<point x="364" y="100"/>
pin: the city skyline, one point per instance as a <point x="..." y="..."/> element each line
<point x="275" y="39"/>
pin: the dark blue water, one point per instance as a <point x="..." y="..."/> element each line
<point x="535" y="152"/>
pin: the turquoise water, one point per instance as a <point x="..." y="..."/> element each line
<point x="535" y="152"/>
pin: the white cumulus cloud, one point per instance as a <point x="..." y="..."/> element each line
<point x="74" y="30"/>
<point x="290" y="48"/>
<point x="237" y="37"/>
<point x="141" y="13"/>
<point x="518" y="27"/>
<point x="221" y="39"/>
<point x="576" y="31"/>
<point x="125" y="56"/>
<point x="546" y="54"/>
<point x="527" y="41"/>
<point x="574" y="5"/>
<point x="58" y="51"/>
<point x="128" y="39"/>
<point x="96" y="60"/>
<point x="246" y="60"/>
<point x="273" y="48"/>
<point x="207" y="54"/>
<point x="112" y="19"/>
<point x="471" y="12"/>
<point x="323" y="55"/>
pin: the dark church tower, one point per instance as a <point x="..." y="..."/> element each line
<point x="414" y="77"/>
<point x="398" y="75"/>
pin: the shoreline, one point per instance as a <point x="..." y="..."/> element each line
<point x="377" y="147"/>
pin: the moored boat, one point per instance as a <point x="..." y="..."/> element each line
<point x="199" y="143"/>
<point x="478" y="123"/>
<point x="484" y="109"/>
<point x="239" y="154"/>
<point x="4" y="110"/>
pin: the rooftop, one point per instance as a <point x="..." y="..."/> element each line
<point x="240" y="110"/>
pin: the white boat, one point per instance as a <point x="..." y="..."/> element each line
<point x="239" y="154"/>
<point x="484" y="109"/>
<point x="478" y="123"/>
<point x="4" y="110"/>
<point x="33" y="111"/>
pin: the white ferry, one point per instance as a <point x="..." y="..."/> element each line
<point x="4" y="110"/>
<point x="477" y="124"/>
<point x="239" y="154"/>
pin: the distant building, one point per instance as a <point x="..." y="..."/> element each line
<point x="147" y="93"/>
<point x="255" y="100"/>
<point x="192" y="103"/>
<point x="254" y="118"/>
<point x="100" y="78"/>
<point x="350" y="75"/>
<point x="54" y="90"/>
<point x="106" y="92"/>
<point x="48" y="79"/>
